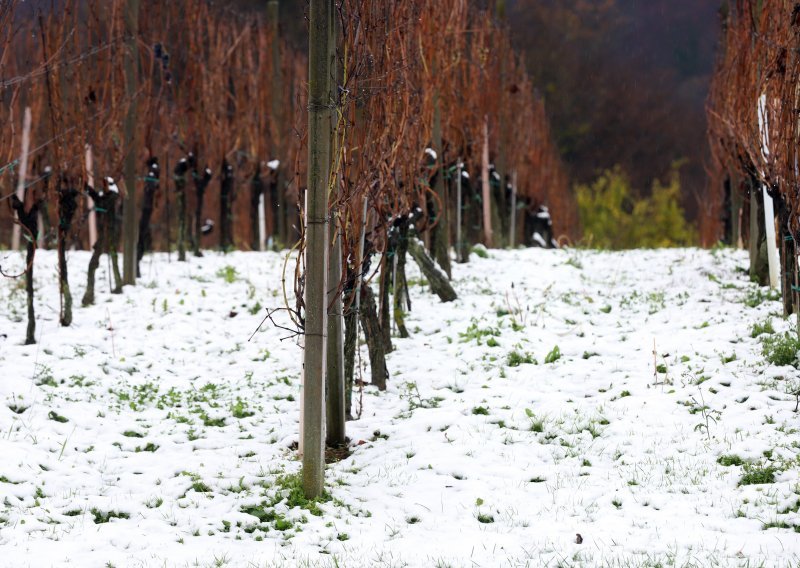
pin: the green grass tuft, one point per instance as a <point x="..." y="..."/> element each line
<point x="730" y="460"/>
<point x="553" y="356"/>
<point x="228" y="273"/>
<point x="515" y="359"/>
<point x="101" y="517"/>
<point x="757" y="474"/>
<point x="762" y="328"/>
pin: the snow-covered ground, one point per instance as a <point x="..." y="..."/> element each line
<point x="530" y="411"/>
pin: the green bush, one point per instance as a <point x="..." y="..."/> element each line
<point x="614" y="218"/>
<point x="481" y="251"/>
<point x="781" y="349"/>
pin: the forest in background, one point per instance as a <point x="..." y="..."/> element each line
<point x="625" y="83"/>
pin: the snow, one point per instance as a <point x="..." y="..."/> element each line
<point x="598" y="442"/>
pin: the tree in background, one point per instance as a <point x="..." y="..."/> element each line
<point x="614" y="218"/>
<point x="624" y="82"/>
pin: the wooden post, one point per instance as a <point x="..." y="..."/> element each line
<point x="438" y="281"/>
<point x="129" y="237"/>
<point x="334" y="376"/>
<point x="460" y="252"/>
<point x="754" y="233"/>
<point x="512" y="232"/>
<point x="361" y="242"/>
<point x="167" y="214"/>
<point x="487" y="189"/>
<point x="89" y="201"/>
<point x="281" y="206"/>
<point x="352" y="318"/>
<point x="319" y="162"/>
<point x="441" y="231"/>
<point x="736" y="215"/>
<point x="23" y="171"/>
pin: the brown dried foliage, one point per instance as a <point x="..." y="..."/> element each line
<point x="213" y="97"/>
<point x="759" y="55"/>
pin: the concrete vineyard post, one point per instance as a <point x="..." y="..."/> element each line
<point x="319" y="162"/>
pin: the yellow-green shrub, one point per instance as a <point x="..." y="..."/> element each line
<point x="613" y="218"/>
